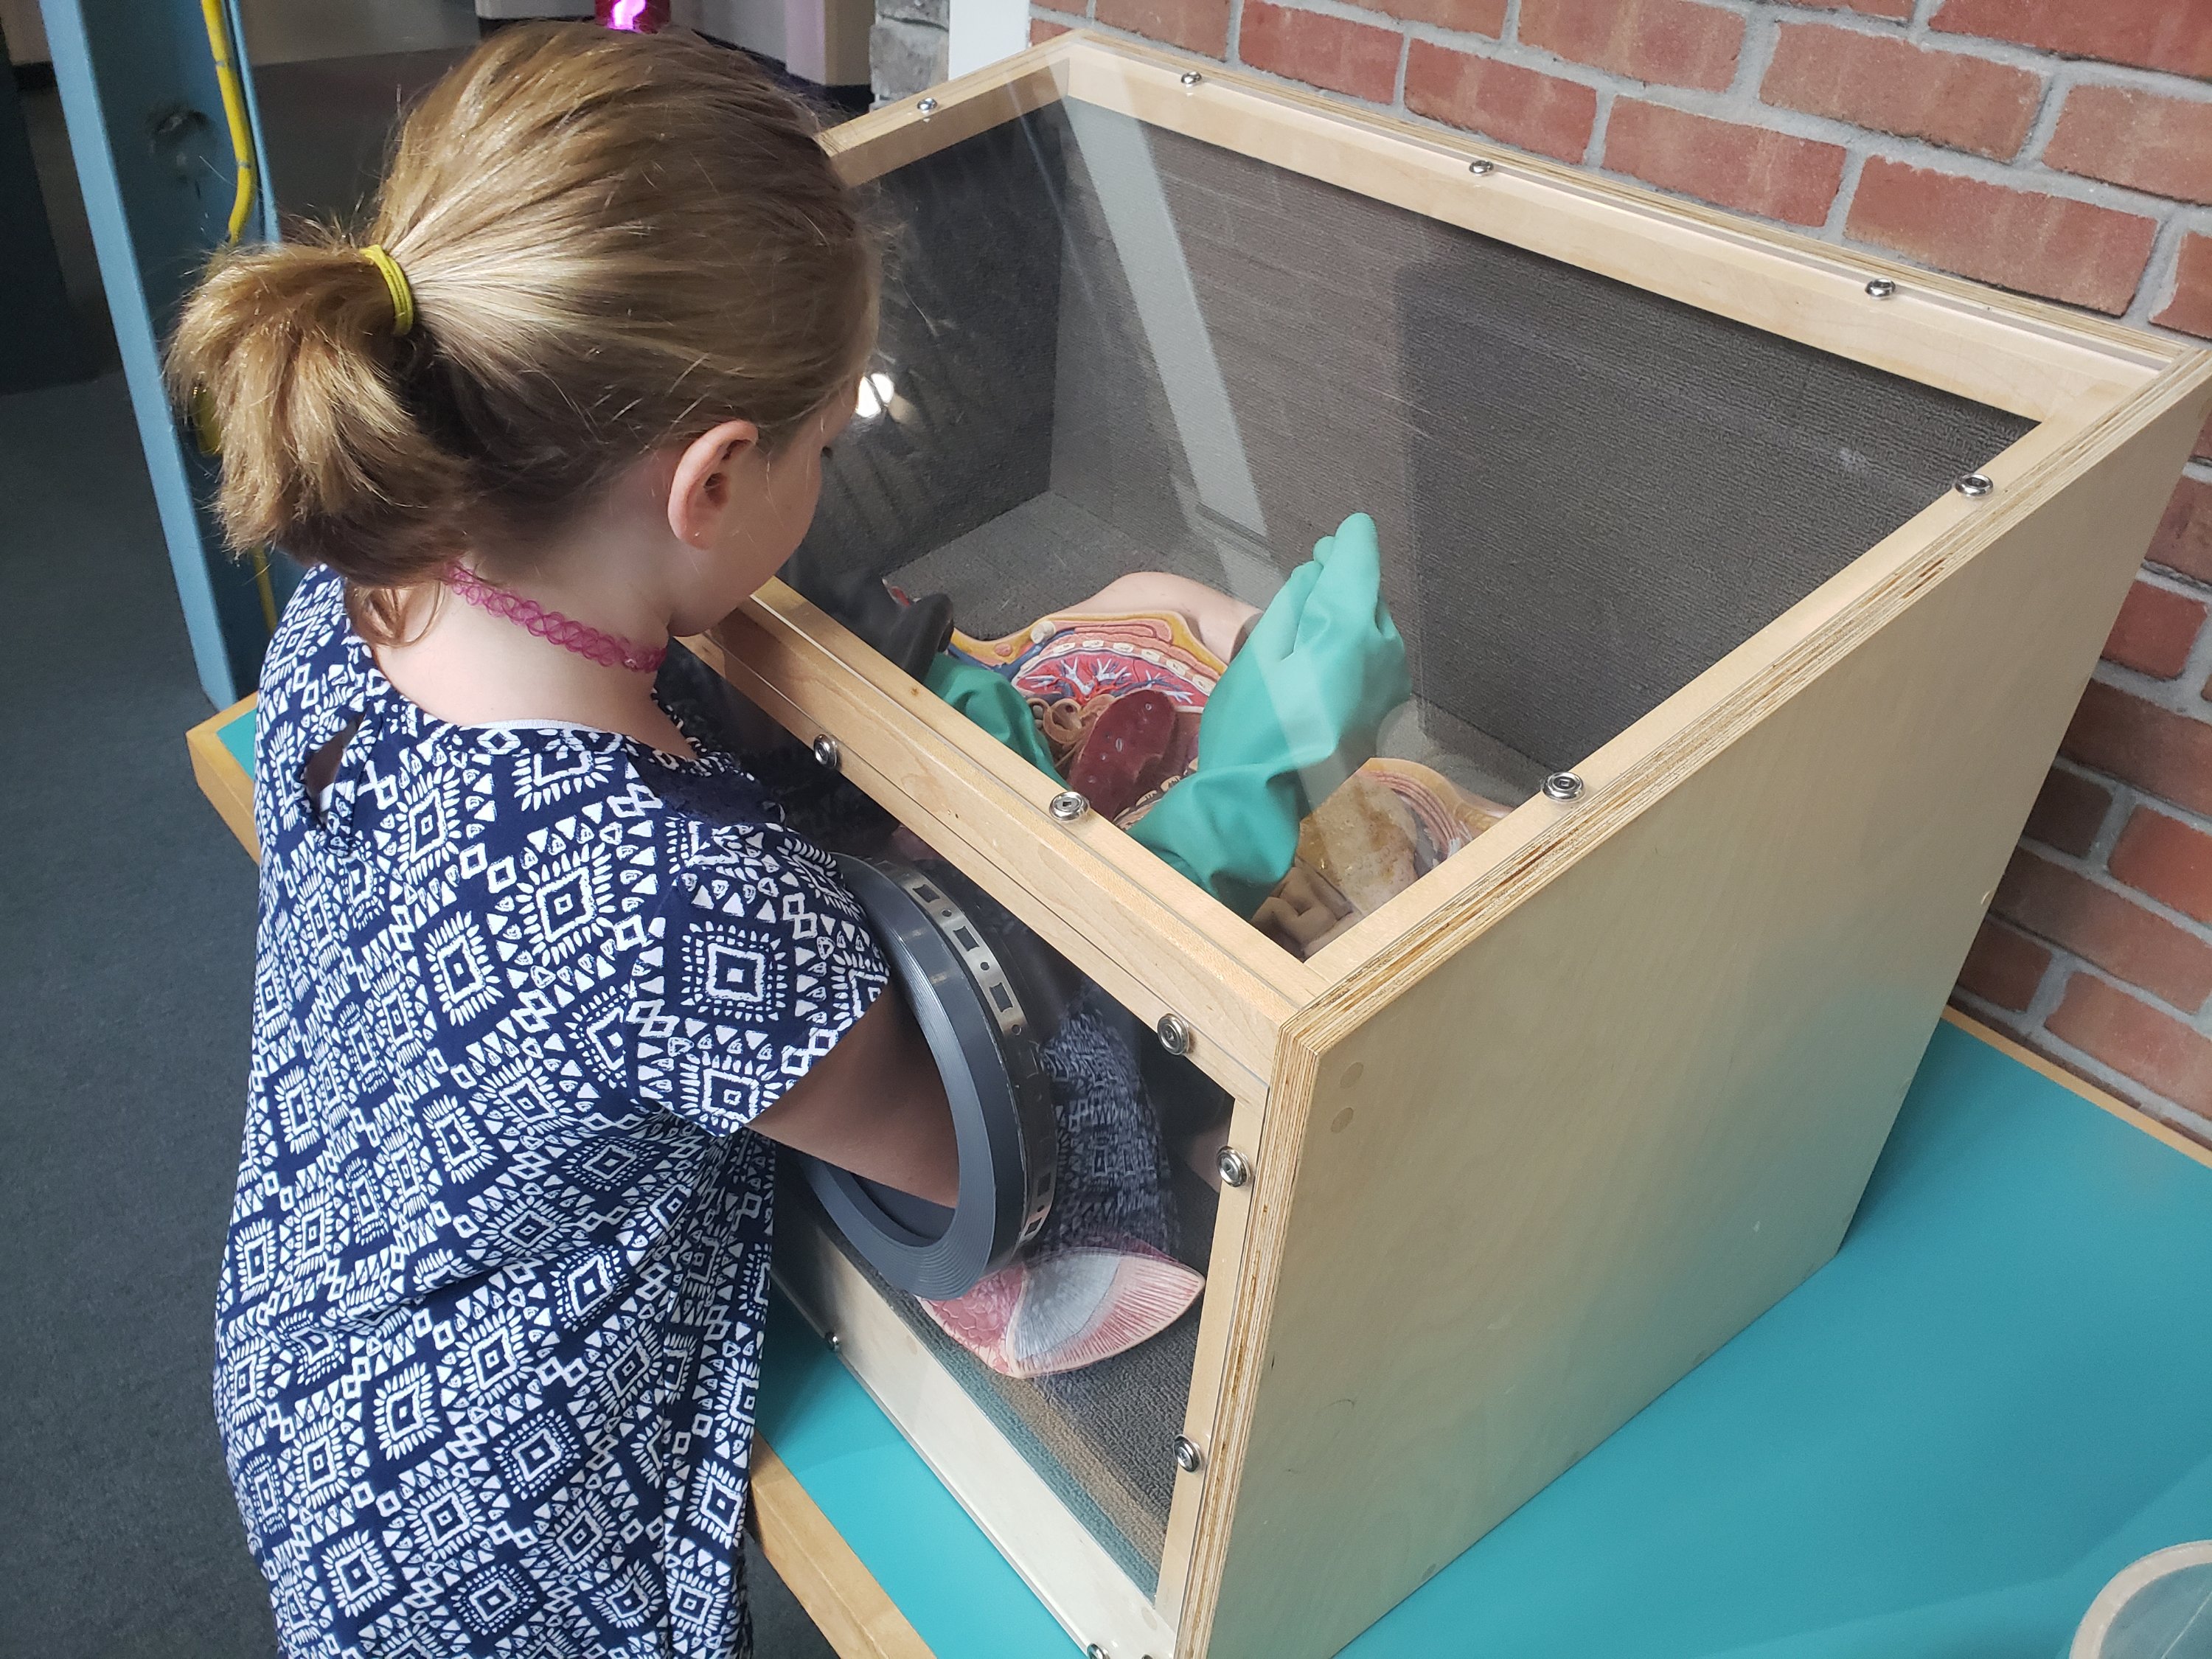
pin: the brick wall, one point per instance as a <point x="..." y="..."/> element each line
<point x="2060" y="148"/>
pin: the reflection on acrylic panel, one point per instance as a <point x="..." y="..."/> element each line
<point x="1118" y="349"/>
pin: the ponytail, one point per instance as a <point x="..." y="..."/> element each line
<point x="609" y="243"/>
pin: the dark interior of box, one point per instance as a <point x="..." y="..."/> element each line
<point x="1112" y="348"/>
<point x="1116" y="347"/>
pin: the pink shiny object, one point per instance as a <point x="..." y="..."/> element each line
<point x="551" y="626"/>
<point x="634" y="16"/>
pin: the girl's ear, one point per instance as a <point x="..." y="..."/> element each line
<point x="708" y="483"/>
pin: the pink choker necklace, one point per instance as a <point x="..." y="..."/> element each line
<point x="566" y="632"/>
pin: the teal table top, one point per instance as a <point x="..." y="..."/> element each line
<point x="1939" y="1447"/>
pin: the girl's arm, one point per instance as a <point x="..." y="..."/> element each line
<point x="875" y="1105"/>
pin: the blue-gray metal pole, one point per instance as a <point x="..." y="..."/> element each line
<point x="146" y="125"/>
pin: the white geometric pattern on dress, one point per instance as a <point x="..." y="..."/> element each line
<point x="489" y="1328"/>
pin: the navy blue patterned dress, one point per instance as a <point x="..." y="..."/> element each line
<point x="488" y="1329"/>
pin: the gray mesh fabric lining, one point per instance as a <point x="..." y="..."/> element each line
<point x="1100" y="1437"/>
<point x="1122" y="349"/>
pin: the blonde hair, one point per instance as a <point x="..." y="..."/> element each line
<point x="613" y="242"/>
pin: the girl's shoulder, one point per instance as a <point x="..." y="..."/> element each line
<point x="407" y="781"/>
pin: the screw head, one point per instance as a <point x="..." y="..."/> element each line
<point x="927" y="106"/>
<point x="1563" y="786"/>
<point x="1068" y="806"/>
<point x="827" y="752"/>
<point x="1234" y="1171"/>
<point x="1187" y="1456"/>
<point x="1174" y="1033"/>
<point x="1974" y="485"/>
<point x="835" y="1341"/>
<point x="1190" y="77"/>
<point x="1094" y="1651"/>
<point x="1879" y="288"/>
<point x="1481" y="168"/>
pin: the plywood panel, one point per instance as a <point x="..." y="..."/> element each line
<point x="820" y="1570"/>
<point x="1516" y="1185"/>
<point x="1155" y="941"/>
<point x="226" y="785"/>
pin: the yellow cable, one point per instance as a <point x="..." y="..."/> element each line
<point x="233" y="107"/>
<point x="241" y="149"/>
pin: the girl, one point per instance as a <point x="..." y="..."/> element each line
<point x="538" y="970"/>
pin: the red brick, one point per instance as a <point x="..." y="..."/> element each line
<point x="2183" y="538"/>
<point x="2155" y="631"/>
<point x="1200" y="26"/>
<point x="2105" y="927"/>
<point x="2168" y="859"/>
<point x="2135" y="1040"/>
<point x="1898" y="9"/>
<point x="2190" y="310"/>
<point x="1793" y="179"/>
<point x="1357" y="59"/>
<point x="1674" y="41"/>
<point x="1463" y="17"/>
<point x="2004" y="967"/>
<point x="1075" y="6"/>
<point x="2069" y="813"/>
<point x="2163" y="145"/>
<point x="2063" y="249"/>
<point x="2160" y="752"/>
<point x="1879" y="81"/>
<point x="1041" y="30"/>
<point x="2161" y="34"/>
<point x="1505" y="101"/>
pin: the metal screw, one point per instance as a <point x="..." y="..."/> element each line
<point x="1175" y="1035"/>
<point x="1191" y="77"/>
<point x="835" y="1341"/>
<point x="1067" y="806"/>
<point x="1974" y="485"/>
<point x="1187" y="1456"/>
<point x="1234" y="1171"/>
<point x="1563" y="786"/>
<point x="1480" y="169"/>
<point x="1094" y="1651"/>
<point x="927" y="106"/>
<point x="1879" y="288"/>
<point x="827" y="751"/>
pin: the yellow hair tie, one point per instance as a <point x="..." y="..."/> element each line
<point x="395" y="281"/>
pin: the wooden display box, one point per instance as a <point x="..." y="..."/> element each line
<point x="1666" y="502"/>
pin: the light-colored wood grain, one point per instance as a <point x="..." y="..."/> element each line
<point x="1155" y="941"/>
<point x="1079" y="1583"/>
<point x="2018" y="355"/>
<point x="820" y="1570"/>
<point x="221" y="778"/>
<point x="1216" y="1328"/>
<point x="873" y="144"/>
<point x="1521" y="1175"/>
<point x="2133" y="1117"/>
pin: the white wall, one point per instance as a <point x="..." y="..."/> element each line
<point x="984" y="31"/>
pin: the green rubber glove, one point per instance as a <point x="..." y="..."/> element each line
<point x="1294" y="716"/>
<point x="991" y="700"/>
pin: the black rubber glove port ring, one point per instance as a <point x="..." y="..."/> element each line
<point x="1000" y="1098"/>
